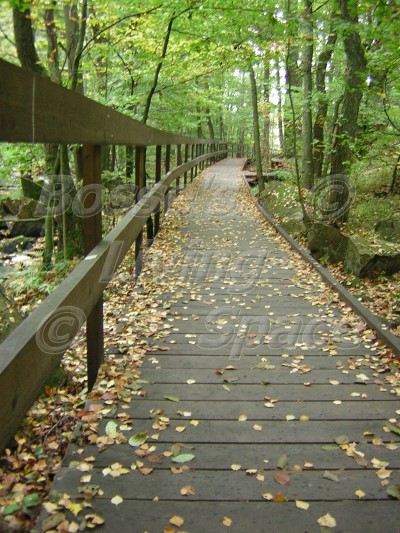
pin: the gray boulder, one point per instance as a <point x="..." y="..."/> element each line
<point x="388" y="230"/>
<point x="327" y="242"/>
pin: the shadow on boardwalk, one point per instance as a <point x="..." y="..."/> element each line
<point x="258" y="406"/>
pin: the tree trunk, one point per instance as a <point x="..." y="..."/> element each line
<point x="293" y="77"/>
<point x="322" y="102"/>
<point x="256" y="127"/>
<point x="24" y="41"/>
<point x="267" y="116"/>
<point x="158" y="70"/>
<point x="280" y="109"/>
<point x="353" y="93"/>
<point x="307" y="133"/>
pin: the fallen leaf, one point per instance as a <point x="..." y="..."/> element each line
<point x="257" y="427"/>
<point x="242" y="418"/>
<point x="290" y="417"/>
<point x="282" y="478"/>
<point x="183" y="458"/>
<point x="330" y="475"/>
<point x="187" y="490"/>
<point x="359" y="493"/>
<point x="280" y="498"/>
<point x="236" y="467"/>
<point x="227" y="521"/>
<point x="180" y="429"/>
<point x="268" y="496"/>
<point x="327" y="521"/>
<point x="116" y="500"/>
<point x="302" y="505"/>
<point x="176" y="520"/>
<point x="282" y="461"/>
<point x="171" y="398"/>
<point x="342" y="439"/>
<point x="393" y="428"/>
<point x="138" y="439"/>
<point x="394" y="491"/>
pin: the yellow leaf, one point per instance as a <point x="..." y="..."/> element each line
<point x="176" y="520"/>
<point x="304" y="418"/>
<point x="236" y="467"/>
<point x="257" y="427"/>
<point x="302" y="505"/>
<point x="180" y="429"/>
<point x="360" y="493"/>
<point x="327" y="521"/>
<point x="117" y="500"/>
<point x="194" y="423"/>
<point x="290" y="417"/>
<point x="227" y="521"/>
<point x="242" y="418"/>
<point x="268" y="496"/>
<point x="75" y="508"/>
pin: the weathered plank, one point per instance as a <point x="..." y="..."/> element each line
<point x="260" y="517"/>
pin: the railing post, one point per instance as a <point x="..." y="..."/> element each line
<point x="140" y="177"/>
<point x="186" y="160"/>
<point x="157" y="179"/>
<point x="192" y="156"/>
<point x="167" y="167"/>
<point x="178" y="163"/>
<point x="92" y="228"/>
<point x="196" y="155"/>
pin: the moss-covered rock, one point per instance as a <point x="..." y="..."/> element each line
<point x="327" y="242"/>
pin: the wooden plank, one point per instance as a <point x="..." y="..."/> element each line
<point x="209" y="410"/>
<point x="182" y="361"/>
<point x="35" y="110"/>
<point x="210" y="456"/>
<point x="277" y="375"/>
<point x="257" y="517"/>
<point x="217" y="485"/>
<point x="297" y="392"/>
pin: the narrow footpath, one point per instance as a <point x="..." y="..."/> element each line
<point x="261" y="403"/>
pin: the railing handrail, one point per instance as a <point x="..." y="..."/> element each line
<point x="33" y="109"/>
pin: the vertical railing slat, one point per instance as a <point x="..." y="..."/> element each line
<point x="92" y="228"/>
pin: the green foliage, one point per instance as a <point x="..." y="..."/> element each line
<point x="38" y="282"/>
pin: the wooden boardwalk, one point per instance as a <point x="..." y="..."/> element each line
<point x="271" y="389"/>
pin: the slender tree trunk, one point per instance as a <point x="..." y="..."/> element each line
<point x="158" y="70"/>
<point x="353" y="93"/>
<point x="293" y="78"/>
<point x="280" y="108"/>
<point x="307" y="133"/>
<point x="322" y="103"/>
<point x="267" y="116"/>
<point x="256" y="127"/>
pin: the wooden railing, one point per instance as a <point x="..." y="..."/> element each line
<point x="34" y="110"/>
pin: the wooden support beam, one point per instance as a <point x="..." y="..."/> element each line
<point x="140" y="181"/>
<point x="192" y="155"/>
<point x="92" y="227"/>
<point x="178" y="163"/>
<point x="167" y="167"/>
<point x="185" y="175"/>
<point x="157" y="179"/>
